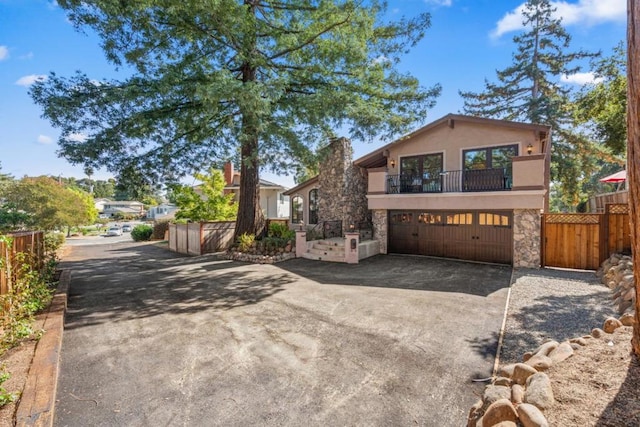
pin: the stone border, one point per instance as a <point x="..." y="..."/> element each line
<point x="259" y="259"/>
<point x="37" y="402"/>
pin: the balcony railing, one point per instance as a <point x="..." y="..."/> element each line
<point x="451" y="182"/>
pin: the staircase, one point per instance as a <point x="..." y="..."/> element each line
<point x="326" y="250"/>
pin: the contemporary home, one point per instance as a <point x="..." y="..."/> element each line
<point x="124" y="207"/>
<point x="460" y="187"/>
<point x="273" y="201"/>
<point x="162" y="211"/>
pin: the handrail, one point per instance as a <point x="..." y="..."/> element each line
<point x="451" y="182"/>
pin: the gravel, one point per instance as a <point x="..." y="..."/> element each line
<point x="555" y="304"/>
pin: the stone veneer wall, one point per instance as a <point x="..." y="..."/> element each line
<point x="526" y="238"/>
<point x="342" y="186"/>
<point x="379" y="219"/>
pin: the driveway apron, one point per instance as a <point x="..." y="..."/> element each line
<point x="153" y="338"/>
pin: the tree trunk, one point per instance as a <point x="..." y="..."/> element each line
<point x="250" y="219"/>
<point x="633" y="151"/>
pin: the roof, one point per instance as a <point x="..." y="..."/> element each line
<point x="377" y="158"/>
<point x="297" y="188"/>
<point x="124" y="202"/>
<point x="264" y="184"/>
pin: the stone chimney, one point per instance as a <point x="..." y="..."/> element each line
<point x="228" y="173"/>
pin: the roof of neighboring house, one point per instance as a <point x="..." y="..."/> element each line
<point x="264" y="184"/>
<point x="377" y="158"/>
<point x="297" y="188"/>
<point x="124" y="202"/>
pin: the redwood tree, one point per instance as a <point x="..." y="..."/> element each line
<point x="213" y="79"/>
<point x="633" y="150"/>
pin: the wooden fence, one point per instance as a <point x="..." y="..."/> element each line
<point x="28" y="242"/>
<point x="198" y="238"/>
<point x="584" y="241"/>
<point x="598" y="203"/>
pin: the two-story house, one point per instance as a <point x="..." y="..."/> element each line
<point x="460" y="187"/>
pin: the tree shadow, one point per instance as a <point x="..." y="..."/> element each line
<point x="407" y="272"/>
<point x="624" y="409"/>
<point x="145" y="281"/>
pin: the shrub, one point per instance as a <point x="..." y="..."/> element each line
<point x="246" y="241"/>
<point x="141" y="232"/>
<point x="281" y="230"/>
<point x="53" y="242"/>
<point x="159" y="228"/>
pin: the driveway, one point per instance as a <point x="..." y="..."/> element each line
<point x="153" y="338"/>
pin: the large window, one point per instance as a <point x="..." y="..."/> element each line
<point x="421" y="173"/>
<point x="496" y="164"/>
<point x="296" y="210"/>
<point x="313" y="206"/>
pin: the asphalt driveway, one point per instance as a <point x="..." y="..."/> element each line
<point x="153" y="338"/>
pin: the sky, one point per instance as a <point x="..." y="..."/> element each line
<point x="467" y="42"/>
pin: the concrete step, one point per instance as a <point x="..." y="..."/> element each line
<point x="329" y="258"/>
<point x="323" y="250"/>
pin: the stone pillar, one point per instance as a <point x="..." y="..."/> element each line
<point x="379" y="220"/>
<point x="351" y="243"/>
<point x="301" y="243"/>
<point x="526" y="238"/>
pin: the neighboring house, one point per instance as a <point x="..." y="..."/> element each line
<point x="110" y="208"/>
<point x="99" y="204"/>
<point x="460" y="187"/>
<point x="273" y="201"/>
<point x="163" y="211"/>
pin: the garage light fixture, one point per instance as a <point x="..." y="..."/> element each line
<point x="392" y="162"/>
<point x="529" y="149"/>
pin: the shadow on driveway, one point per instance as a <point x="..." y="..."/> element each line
<point x="407" y="272"/>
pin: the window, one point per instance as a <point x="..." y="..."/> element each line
<point x="296" y="210"/>
<point x="313" y="206"/>
<point x="489" y="168"/>
<point x="497" y="220"/>
<point x="421" y="173"/>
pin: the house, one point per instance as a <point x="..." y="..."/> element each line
<point x="124" y="207"/>
<point x="460" y="187"/>
<point x="163" y="211"/>
<point x="99" y="204"/>
<point x="273" y="201"/>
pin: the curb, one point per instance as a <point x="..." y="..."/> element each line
<point x="37" y="402"/>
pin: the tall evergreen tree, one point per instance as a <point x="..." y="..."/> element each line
<point x="531" y="90"/>
<point x="267" y="77"/>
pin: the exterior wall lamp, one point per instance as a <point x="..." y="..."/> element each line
<point x="392" y="162"/>
<point x="529" y="149"/>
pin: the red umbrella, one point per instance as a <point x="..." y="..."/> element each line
<point x="616" y="177"/>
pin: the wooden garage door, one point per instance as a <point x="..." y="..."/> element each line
<point x="471" y="235"/>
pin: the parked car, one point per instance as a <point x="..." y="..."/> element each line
<point x="126" y="228"/>
<point x="114" y="231"/>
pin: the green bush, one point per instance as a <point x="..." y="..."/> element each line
<point x="159" y="228"/>
<point x="141" y="232"/>
<point x="281" y="230"/>
<point x="246" y="241"/>
<point x="53" y="242"/>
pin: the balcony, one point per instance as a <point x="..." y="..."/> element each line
<point x="451" y="182"/>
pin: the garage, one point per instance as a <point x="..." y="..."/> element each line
<point x="469" y="235"/>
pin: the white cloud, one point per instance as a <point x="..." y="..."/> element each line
<point x="439" y="2"/>
<point x="580" y="78"/>
<point x="583" y="12"/>
<point x="4" y="52"/>
<point x="30" y="79"/>
<point x="27" y="56"/>
<point x="44" y="139"/>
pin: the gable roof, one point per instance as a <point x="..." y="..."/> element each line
<point x="264" y="185"/>
<point x="297" y="188"/>
<point x="377" y="158"/>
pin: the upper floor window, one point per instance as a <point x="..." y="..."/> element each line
<point x="421" y="173"/>
<point x="296" y="209"/>
<point x="313" y="206"/>
<point x="498" y="159"/>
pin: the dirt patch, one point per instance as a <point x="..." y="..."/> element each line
<point x="598" y="385"/>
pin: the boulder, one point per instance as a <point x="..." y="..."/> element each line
<point x="531" y="416"/>
<point x="546" y="348"/>
<point x="627" y="319"/>
<point x="506" y="370"/>
<point x="502" y="381"/>
<point x="521" y="372"/>
<point x="538" y="391"/>
<point x="597" y="332"/>
<point x="540" y="362"/>
<point x="499" y="411"/>
<point x="517" y="394"/>
<point x="475" y="413"/>
<point x="611" y="324"/>
<point x="580" y="341"/>
<point x="561" y="352"/>
<point x="493" y="393"/>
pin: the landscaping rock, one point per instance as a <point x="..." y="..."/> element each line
<point x="499" y="411"/>
<point x="517" y="394"/>
<point x="528" y="355"/>
<point x="540" y="362"/>
<point x="502" y="381"/>
<point x="521" y="372"/>
<point x="546" y="348"/>
<point x="611" y="324"/>
<point x="627" y="319"/>
<point x="506" y="370"/>
<point x="597" y="332"/>
<point x="531" y="416"/>
<point x="580" y="341"/>
<point x="538" y="391"/>
<point x="562" y="352"/>
<point x="493" y="393"/>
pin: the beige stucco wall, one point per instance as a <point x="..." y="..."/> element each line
<point x="304" y="193"/>
<point x="463" y="136"/>
<point x="528" y="171"/>
<point x="484" y="200"/>
<point x="377" y="181"/>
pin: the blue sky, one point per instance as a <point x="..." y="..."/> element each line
<point x="468" y="40"/>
